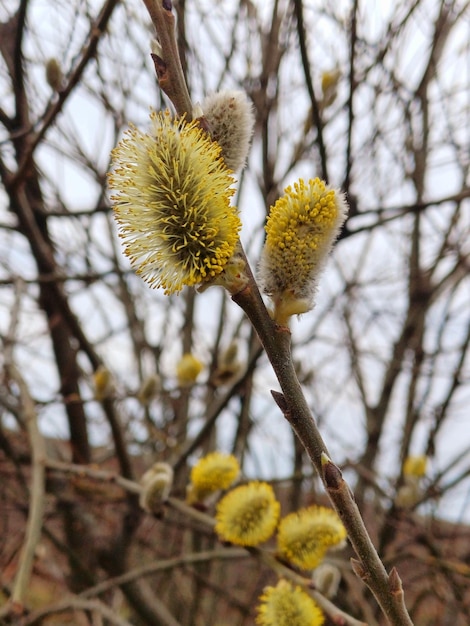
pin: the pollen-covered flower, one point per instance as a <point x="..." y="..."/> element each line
<point x="231" y="122"/>
<point x="171" y="198"/>
<point x="54" y="74"/>
<point x="286" y="605"/>
<point x="188" y="369"/>
<point x="327" y="578"/>
<point x="102" y="382"/>
<point x="329" y="86"/>
<point x="411" y="491"/>
<point x="408" y="495"/>
<point x="415" y="466"/>
<point x="149" y="388"/>
<point x="248" y="514"/>
<point x="305" y="535"/>
<point x="213" y="472"/>
<point x="228" y="366"/>
<point x="301" y="229"/>
<point x="156" y="486"/>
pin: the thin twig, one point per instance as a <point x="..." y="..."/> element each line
<point x="74" y="604"/>
<point x="167" y="61"/>
<point x="54" y="109"/>
<point x="38" y="447"/>
<point x="166" y="564"/>
<point x="38" y="492"/>
<point x="277" y="344"/>
<point x="97" y="474"/>
<point x="301" y="32"/>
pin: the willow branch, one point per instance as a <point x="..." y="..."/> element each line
<point x="301" y="32"/>
<point x="96" y="31"/>
<point x="167" y="62"/>
<point x="96" y="474"/>
<point x="37" y="499"/>
<point x="38" y="447"/>
<point x="75" y="604"/>
<point x="189" y="512"/>
<point x="276" y="341"/>
<point x="165" y="564"/>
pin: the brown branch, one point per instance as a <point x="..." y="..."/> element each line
<point x="277" y="344"/>
<point x="96" y="474"/>
<point x="223" y="554"/>
<point x="37" y="499"/>
<point x="352" y="89"/>
<point x="36" y="507"/>
<point x="89" y="50"/>
<point x="167" y="62"/>
<point x="74" y="604"/>
<point x="386" y="588"/>
<point x="318" y="122"/>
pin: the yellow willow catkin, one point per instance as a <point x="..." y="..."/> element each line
<point x="300" y="231"/>
<point x="171" y="195"/>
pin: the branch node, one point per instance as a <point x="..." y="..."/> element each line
<point x="331" y="473"/>
<point x="280" y="400"/>
<point x="161" y="67"/>
<point x="358" y="569"/>
<point x="395" y="584"/>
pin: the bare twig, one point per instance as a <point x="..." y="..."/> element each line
<point x="74" y="604"/>
<point x="36" y="508"/>
<point x="166" y="564"/>
<point x="277" y="343"/>
<point x="38" y="448"/>
<point x="167" y="61"/>
<point x="309" y="84"/>
<point x="51" y="113"/>
<point x="96" y="474"/>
